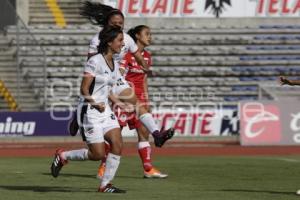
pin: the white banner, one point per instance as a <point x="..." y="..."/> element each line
<point x="207" y="8"/>
<point x="195" y="124"/>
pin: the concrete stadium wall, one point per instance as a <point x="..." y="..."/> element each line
<point x="23" y="10"/>
<point x="204" y="22"/>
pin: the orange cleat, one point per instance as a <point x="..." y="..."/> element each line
<point x="101" y="170"/>
<point x="154" y="173"/>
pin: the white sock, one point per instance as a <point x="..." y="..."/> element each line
<point x="149" y="122"/>
<point x="80" y="154"/>
<point x="112" y="164"/>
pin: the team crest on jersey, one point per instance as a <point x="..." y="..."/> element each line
<point x="217" y="6"/>
<point x="123" y="118"/>
<point x="106" y="72"/>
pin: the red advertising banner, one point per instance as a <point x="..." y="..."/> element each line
<point x="270" y="123"/>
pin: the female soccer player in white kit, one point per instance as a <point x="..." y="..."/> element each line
<point x="104" y="16"/>
<point x="101" y="72"/>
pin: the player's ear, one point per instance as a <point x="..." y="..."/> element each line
<point x="109" y="44"/>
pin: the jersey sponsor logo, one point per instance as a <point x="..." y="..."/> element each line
<point x="260" y="123"/>
<point x="134" y="70"/>
<point x="17" y="127"/>
<point x="112" y="116"/>
<point x="120" y="82"/>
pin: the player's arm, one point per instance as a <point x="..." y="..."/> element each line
<point x="90" y="55"/>
<point x="117" y="102"/>
<point x="84" y="89"/>
<point x="93" y="46"/>
<point x="133" y="48"/>
<point x="124" y="64"/>
<point x="114" y="99"/>
<point x="140" y="60"/>
<point x="285" y="81"/>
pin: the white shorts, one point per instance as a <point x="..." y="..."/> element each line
<point x="120" y="86"/>
<point x="96" y="124"/>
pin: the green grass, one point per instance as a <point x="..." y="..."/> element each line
<point x="207" y="178"/>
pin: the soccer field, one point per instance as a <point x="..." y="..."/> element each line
<point x="207" y="178"/>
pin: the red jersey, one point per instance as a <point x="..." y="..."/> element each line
<point x="135" y="74"/>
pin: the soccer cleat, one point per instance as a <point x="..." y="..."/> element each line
<point x="101" y="170"/>
<point x="154" y="173"/>
<point x="57" y="163"/>
<point x="73" y="125"/>
<point x="161" y="137"/>
<point x="109" y="188"/>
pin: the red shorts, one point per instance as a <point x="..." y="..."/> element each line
<point x="131" y="119"/>
<point x="125" y="118"/>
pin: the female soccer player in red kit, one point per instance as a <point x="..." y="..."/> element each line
<point x="137" y="78"/>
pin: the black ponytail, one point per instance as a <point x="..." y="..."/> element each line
<point x="136" y="30"/>
<point x="98" y="13"/>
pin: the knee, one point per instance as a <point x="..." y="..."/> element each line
<point x="117" y="147"/>
<point x="96" y="156"/>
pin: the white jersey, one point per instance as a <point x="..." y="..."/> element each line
<point x="105" y="78"/>
<point x="129" y="46"/>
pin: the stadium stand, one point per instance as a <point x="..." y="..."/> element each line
<point x="218" y="63"/>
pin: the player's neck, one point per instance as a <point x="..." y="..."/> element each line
<point x="109" y="60"/>
<point x="140" y="46"/>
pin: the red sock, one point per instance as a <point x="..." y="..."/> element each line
<point x="107" y="150"/>
<point x="145" y="155"/>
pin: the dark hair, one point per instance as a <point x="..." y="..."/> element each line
<point x="98" y="13"/>
<point x="106" y="35"/>
<point x="136" y="30"/>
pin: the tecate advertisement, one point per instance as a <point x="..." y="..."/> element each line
<point x="207" y="8"/>
<point x="270" y="123"/>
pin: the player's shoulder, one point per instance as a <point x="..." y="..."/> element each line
<point x="95" y="38"/>
<point x="128" y="55"/>
<point x="127" y="38"/>
<point x="95" y="59"/>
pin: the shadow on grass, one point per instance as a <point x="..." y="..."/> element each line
<point x="91" y="176"/>
<point x="35" y="188"/>
<point x="72" y="175"/>
<point x="261" y="191"/>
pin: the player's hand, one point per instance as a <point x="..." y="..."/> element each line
<point x="99" y="106"/>
<point x="147" y="71"/>
<point x="150" y="73"/>
<point x="284" y="81"/>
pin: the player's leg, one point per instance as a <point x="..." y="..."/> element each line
<point x="102" y="165"/>
<point x="160" y="136"/>
<point x="93" y="133"/>
<point x="145" y="152"/>
<point x="94" y="152"/>
<point x="114" y="138"/>
<point x="122" y="119"/>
